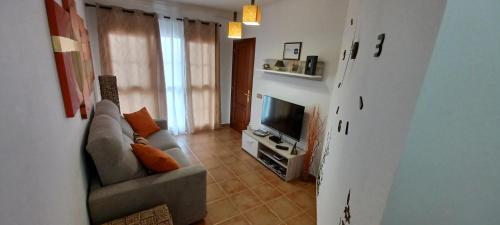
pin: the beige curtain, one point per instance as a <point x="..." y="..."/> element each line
<point x="202" y="72"/>
<point x="130" y="49"/>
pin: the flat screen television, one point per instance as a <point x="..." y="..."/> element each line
<point x="282" y="116"/>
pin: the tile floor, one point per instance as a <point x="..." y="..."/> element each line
<point x="242" y="191"/>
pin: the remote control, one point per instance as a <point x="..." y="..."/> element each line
<point x="281" y="147"/>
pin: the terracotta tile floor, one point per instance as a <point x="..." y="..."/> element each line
<point x="242" y="191"/>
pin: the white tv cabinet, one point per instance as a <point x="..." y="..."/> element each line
<point x="264" y="151"/>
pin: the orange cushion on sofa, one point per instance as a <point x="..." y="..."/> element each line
<point x="154" y="158"/>
<point x="142" y="123"/>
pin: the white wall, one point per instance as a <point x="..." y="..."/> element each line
<point x="365" y="160"/>
<point x="178" y="11"/>
<point x="449" y="172"/>
<point x="319" y="25"/>
<point x="42" y="172"/>
<point x="91" y="21"/>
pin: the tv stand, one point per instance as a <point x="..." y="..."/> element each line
<point x="281" y="162"/>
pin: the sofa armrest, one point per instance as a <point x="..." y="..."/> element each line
<point x="162" y="124"/>
<point x="183" y="190"/>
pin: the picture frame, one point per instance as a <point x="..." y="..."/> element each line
<point x="292" y="50"/>
<point x="73" y="58"/>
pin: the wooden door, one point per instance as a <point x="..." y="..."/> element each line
<point x="242" y="79"/>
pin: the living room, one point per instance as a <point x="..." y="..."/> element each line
<point x="249" y="112"/>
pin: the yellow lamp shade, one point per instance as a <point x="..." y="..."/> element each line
<point x="234" y="30"/>
<point x="251" y="15"/>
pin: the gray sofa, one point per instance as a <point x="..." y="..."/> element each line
<point x="122" y="186"/>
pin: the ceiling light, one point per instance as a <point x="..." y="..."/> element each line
<point x="234" y="28"/>
<point x="251" y="14"/>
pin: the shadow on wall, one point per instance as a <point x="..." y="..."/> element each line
<point x="89" y="169"/>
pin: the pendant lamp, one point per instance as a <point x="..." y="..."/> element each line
<point x="234" y="28"/>
<point x="251" y="14"/>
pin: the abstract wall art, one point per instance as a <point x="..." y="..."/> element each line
<point x="72" y="55"/>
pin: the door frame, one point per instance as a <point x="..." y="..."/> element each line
<point x="233" y="81"/>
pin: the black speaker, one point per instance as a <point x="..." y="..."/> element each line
<point x="311" y="65"/>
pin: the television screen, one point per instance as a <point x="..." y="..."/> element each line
<point x="282" y="116"/>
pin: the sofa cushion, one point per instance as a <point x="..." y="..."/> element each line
<point x="111" y="152"/>
<point x="140" y="140"/>
<point x="179" y="156"/>
<point x="142" y="122"/>
<point x="126" y="128"/>
<point x="163" y="140"/>
<point x="107" y="107"/>
<point x="155" y="159"/>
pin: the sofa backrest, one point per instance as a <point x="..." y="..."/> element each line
<point x="107" y="107"/>
<point x="110" y="149"/>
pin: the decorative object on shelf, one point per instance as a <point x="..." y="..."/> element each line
<point x="72" y="54"/>
<point x="294" y="149"/>
<point x="311" y="65"/>
<point x="290" y="64"/>
<point x="279" y="65"/>
<point x="314" y="130"/>
<point x="295" y="66"/>
<point x="266" y="66"/>
<point x="289" y="70"/>
<point x="109" y="89"/>
<point x="251" y="14"/>
<point x="234" y="28"/>
<point x="292" y="50"/>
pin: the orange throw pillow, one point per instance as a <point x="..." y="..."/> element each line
<point x="154" y="159"/>
<point x="142" y="123"/>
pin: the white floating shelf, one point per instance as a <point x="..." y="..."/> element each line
<point x="299" y="75"/>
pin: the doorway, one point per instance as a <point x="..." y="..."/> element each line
<point x="241" y="84"/>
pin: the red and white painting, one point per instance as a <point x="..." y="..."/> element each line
<point x="72" y="54"/>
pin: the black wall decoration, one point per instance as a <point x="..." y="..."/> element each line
<point x="361" y="105"/>
<point x="347" y="210"/>
<point x="354" y="50"/>
<point x="352" y="53"/>
<point x="346" y="55"/>
<point x="380" y="45"/>
<point x="349" y="57"/>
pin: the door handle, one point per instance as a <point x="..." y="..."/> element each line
<point x="248" y="95"/>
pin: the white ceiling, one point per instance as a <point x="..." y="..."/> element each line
<point x="230" y="5"/>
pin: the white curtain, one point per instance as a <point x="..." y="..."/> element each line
<point x="172" y="46"/>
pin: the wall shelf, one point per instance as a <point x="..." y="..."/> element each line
<point x="299" y="75"/>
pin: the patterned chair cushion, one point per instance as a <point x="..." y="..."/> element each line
<point x="158" y="215"/>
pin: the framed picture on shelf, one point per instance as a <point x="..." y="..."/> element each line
<point x="292" y="50"/>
